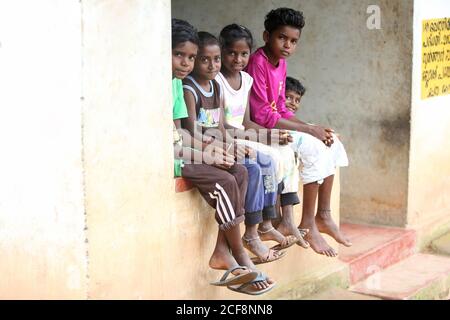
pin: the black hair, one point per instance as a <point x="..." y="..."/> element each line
<point x="207" y="39"/>
<point x="284" y="17"/>
<point x="293" y="84"/>
<point x="183" y="31"/>
<point x="234" y="32"/>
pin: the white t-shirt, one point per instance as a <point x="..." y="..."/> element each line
<point x="235" y="100"/>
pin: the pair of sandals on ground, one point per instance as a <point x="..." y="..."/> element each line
<point x="243" y="282"/>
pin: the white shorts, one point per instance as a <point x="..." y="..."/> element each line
<point x="284" y="160"/>
<point x="317" y="161"/>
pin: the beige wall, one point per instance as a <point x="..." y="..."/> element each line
<point x="429" y="177"/>
<point x="42" y="238"/>
<point x="358" y="81"/>
<point x="127" y="147"/>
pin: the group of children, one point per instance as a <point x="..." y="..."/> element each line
<point x="238" y="141"/>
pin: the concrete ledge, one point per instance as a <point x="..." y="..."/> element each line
<point x="333" y="276"/>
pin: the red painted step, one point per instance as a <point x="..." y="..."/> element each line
<point x="375" y="248"/>
<point x="420" y="276"/>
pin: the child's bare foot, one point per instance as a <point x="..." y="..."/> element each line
<point x="269" y="233"/>
<point x="241" y="274"/>
<point x="287" y="229"/>
<point x="276" y="222"/>
<point x="325" y="224"/>
<point x="318" y="243"/>
<point x="223" y="260"/>
<point x="260" y="285"/>
<point x="244" y="260"/>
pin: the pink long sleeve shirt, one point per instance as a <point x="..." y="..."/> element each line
<point x="267" y="97"/>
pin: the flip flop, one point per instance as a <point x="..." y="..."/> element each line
<point x="287" y="242"/>
<point x="239" y="279"/>
<point x="247" y="288"/>
<point x="290" y="241"/>
<point x="269" y="258"/>
<point x="303" y="232"/>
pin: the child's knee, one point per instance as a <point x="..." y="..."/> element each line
<point x="241" y="172"/>
<point x="265" y="160"/>
<point x="228" y="181"/>
<point x="253" y="170"/>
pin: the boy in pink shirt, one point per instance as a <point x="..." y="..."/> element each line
<point x="267" y="100"/>
<point x="267" y="66"/>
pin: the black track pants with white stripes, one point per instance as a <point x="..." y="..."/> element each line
<point x="224" y="190"/>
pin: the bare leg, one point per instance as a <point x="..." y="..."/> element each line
<point x="317" y="242"/>
<point x="276" y="222"/>
<point x="287" y="225"/>
<point x="222" y="258"/>
<point x="267" y="232"/>
<point x="255" y="244"/>
<point x="324" y="222"/>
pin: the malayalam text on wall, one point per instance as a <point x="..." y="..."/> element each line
<point x="435" y="57"/>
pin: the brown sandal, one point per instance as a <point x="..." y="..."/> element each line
<point x="303" y="232"/>
<point x="272" y="255"/>
<point x="288" y="240"/>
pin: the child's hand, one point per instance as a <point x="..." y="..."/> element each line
<point x="282" y="137"/>
<point x="250" y="153"/>
<point x="330" y="141"/>
<point x="323" y="134"/>
<point x="225" y="157"/>
<point x="240" y="152"/>
<point x="218" y="157"/>
<point x="285" y="137"/>
<point x="207" y="139"/>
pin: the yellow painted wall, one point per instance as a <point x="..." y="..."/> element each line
<point x="429" y="169"/>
